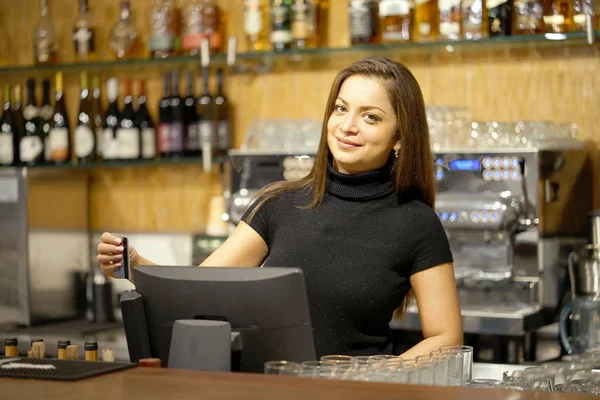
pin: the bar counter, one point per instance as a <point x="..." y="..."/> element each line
<point x="157" y="383"/>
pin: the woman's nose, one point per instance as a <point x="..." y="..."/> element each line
<point x="349" y="124"/>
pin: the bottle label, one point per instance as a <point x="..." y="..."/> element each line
<point x="148" y="143"/>
<point x="361" y="25"/>
<point x="253" y="21"/>
<point x="6" y="148"/>
<point x="388" y="8"/>
<point x="176" y="137"/>
<point x="110" y="145"/>
<point x="281" y="32"/>
<point x="449" y="28"/>
<point x="59" y="144"/>
<point x="303" y="20"/>
<point x="394" y="36"/>
<point x="30" y="112"/>
<point x="224" y="135"/>
<point x="160" y="43"/>
<point x="30" y="148"/>
<point x="128" y="140"/>
<point x="554" y="19"/>
<point x="84" y="41"/>
<point x="84" y="142"/>
<point x="425" y="29"/>
<point x="164" y="145"/>
<point x="579" y="19"/>
<point x="192" y="140"/>
<point x="419" y="2"/>
<point x="447" y="5"/>
<point x="207" y="135"/>
<point x="193" y="41"/>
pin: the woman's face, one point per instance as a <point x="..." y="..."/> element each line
<point x="361" y="130"/>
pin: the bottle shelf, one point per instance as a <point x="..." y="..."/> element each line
<point x="548" y="40"/>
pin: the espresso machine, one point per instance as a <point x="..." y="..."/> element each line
<point x="512" y="218"/>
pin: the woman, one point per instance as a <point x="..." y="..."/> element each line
<point x="360" y="225"/>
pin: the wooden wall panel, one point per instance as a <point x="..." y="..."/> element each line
<point x="555" y="84"/>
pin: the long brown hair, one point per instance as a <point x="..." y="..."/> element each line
<point x="414" y="163"/>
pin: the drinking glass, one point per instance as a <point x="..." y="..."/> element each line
<point x="440" y="368"/>
<point x="281" y="367"/>
<point x="467" y="359"/>
<point x="318" y="369"/>
<point x="425" y="370"/>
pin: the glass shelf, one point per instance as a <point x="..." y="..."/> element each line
<point x="494" y="43"/>
<point x="180" y="161"/>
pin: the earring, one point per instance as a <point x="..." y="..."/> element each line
<point x="396" y="153"/>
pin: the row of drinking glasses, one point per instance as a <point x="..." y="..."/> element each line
<point x="284" y="135"/>
<point x="448" y="366"/>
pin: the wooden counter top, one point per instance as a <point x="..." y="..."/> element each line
<point x="171" y="384"/>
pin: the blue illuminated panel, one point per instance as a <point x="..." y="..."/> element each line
<point x="464" y="165"/>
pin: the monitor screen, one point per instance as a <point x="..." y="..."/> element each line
<point x="267" y="306"/>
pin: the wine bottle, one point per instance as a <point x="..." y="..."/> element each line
<point x="9" y="134"/>
<point x="177" y="128"/>
<point x="46" y="112"/>
<point x="128" y="133"/>
<point x="60" y="139"/>
<point x="164" y="113"/>
<point x="85" y="137"/>
<point x="146" y="125"/>
<point x="31" y="147"/>
<point x="192" y="139"/>
<point x="97" y="115"/>
<point x="206" y="117"/>
<point x="222" y="116"/>
<point x="110" y="145"/>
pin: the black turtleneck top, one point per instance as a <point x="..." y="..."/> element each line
<point x="357" y="250"/>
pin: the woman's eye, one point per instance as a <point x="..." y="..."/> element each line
<point x="339" y="108"/>
<point x="372" y="117"/>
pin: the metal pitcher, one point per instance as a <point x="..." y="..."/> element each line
<point x="583" y="310"/>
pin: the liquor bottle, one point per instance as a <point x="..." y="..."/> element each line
<point x="363" y="21"/>
<point x="146" y="125"/>
<point x="257" y="24"/>
<point x="46" y="112"/>
<point x="450" y="20"/>
<point x="304" y="24"/>
<point x="84" y="136"/>
<point x="44" y="38"/>
<point x="322" y="22"/>
<point x="474" y="19"/>
<point x="123" y="35"/>
<point x="281" y="29"/>
<point x="18" y="109"/>
<point x="528" y="17"/>
<point x="161" y="42"/>
<point x="110" y="145"/>
<point x="558" y="16"/>
<point x="192" y="29"/>
<point x="31" y="147"/>
<point x="59" y="138"/>
<point x="212" y="25"/>
<point x="97" y="116"/>
<point x="9" y="134"/>
<point x="206" y="115"/>
<point x="396" y="20"/>
<point x="499" y="17"/>
<point x="83" y="34"/>
<point x="128" y="133"/>
<point x="427" y="23"/>
<point x="222" y="116"/>
<point x="192" y="138"/>
<point x="177" y="126"/>
<point x="165" y="117"/>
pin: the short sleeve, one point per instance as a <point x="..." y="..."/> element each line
<point x="431" y="246"/>
<point x="261" y="220"/>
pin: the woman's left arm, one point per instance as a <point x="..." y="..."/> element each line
<point x="439" y="309"/>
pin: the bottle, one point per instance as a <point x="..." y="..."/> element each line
<point x="474" y="19"/>
<point x="9" y="134"/>
<point x="212" y="25"/>
<point x="256" y="24"/>
<point x="110" y="145"/>
<point x="558" y="16"/>
<point x="146" y="125"/>
<point x="128" y="133"/>
<point x="46" y="113"/>
<point x="97" y="116"/>
<point x="528" y="17"/>
<point x="222" y="116"/>
<point x="192" y="138"/>
<point x="499" y="17"/>
<point x="450" y="20"/>
<point x="396" y="20"/>
<point x="165" y="117"/>
<point x="31" y="147"/>
<point x="304" y="24"/>
<point x="177" y="126"/>
<point x="206" y="116"/>
<point x="426" y="21"/>
<point x="91" y="351"/>
<point x="44" y="38"/>
<point x="281" y="29"/>
<point x="192" y="30"/>
<point x="162" y="34"/>
<point x="11" y="347"/>
<point x="83" y="34"/>
<point x="322" y="22"/>
<point x="18" y="108"/>
<point x="123" y="35"/>
<point x="62" y="349"/>
<point x="363" y="21"/>
<point x="60" y="140"/>
<point x="84" y="136"/>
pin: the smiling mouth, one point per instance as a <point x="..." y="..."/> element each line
<point x="346" y="142"/>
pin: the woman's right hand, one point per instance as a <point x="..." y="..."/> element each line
<point x="110" y="254"/>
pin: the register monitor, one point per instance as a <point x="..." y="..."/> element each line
<point x="266" y="306"/>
